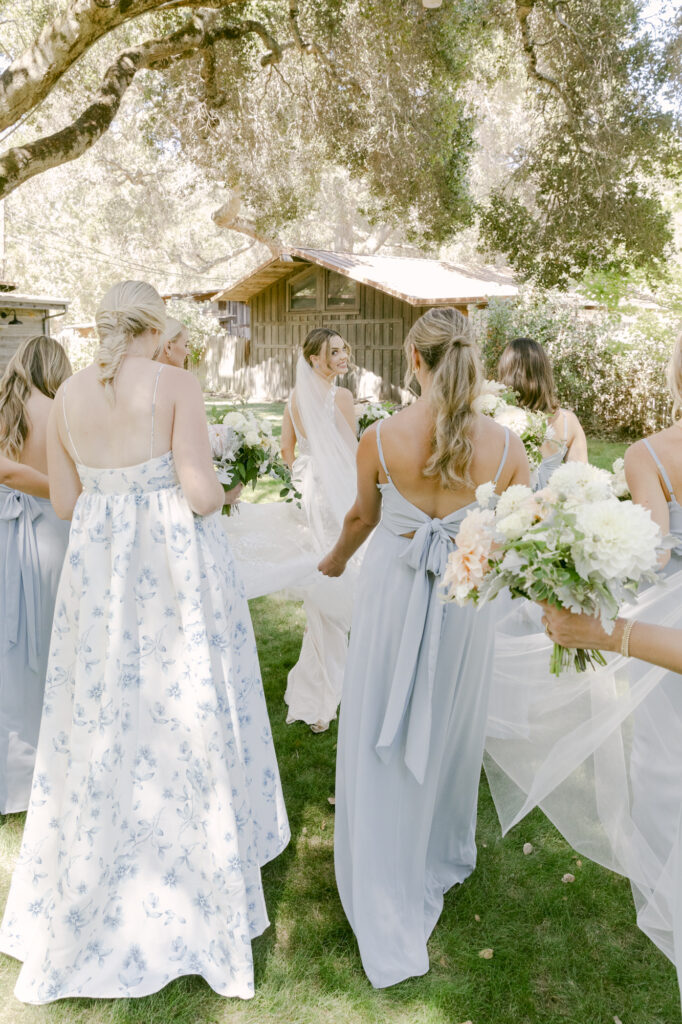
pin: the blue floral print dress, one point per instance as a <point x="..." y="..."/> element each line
<point x="156" y="797"/>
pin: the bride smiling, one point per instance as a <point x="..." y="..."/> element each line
<point x="278" y="546"/>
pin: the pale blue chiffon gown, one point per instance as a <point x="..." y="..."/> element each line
<point x="411" y="737"/>
<point x="32" y="545"/>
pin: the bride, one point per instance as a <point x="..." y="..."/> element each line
<point x="278" y="546"/>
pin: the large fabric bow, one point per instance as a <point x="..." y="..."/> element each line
<point x="411" y="692"/>
<point x="21" y="577"/>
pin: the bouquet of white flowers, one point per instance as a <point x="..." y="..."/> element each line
<point x="618" y="482"/>
<point x="369" y="412"/>
<point x="244" y="450"/>
<point x="497" y="400"/>
<point x="573" y="544"/>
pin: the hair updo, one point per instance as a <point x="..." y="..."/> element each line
<point x="524" y="366"/>
<point x="127" y="310"/>
<point x="443" y="339"/>
<point x="317" y="343"/>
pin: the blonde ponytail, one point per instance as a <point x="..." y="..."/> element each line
<point x="40" y="363"/>
<point x="127" y="309"/>
<point x="443" y="340"/>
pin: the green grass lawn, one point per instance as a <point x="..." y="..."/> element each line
<point x="563" y="953"/>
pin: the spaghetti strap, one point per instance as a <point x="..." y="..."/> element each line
<point x="380" y="450"/>
<point x="661" y="470"/>
<point x="504" y="456"/>
<point x="156" y="386"/>
<point x="66" y="424"/>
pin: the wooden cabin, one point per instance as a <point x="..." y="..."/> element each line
<point x="372" y="301"/>
<point x="24" y="316"/>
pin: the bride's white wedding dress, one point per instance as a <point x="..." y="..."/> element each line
<point x="277" y="546"/>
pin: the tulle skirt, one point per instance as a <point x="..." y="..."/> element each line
<point x="601" y="753"/>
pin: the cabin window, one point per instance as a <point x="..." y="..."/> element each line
<point x="303" y="291"/>
<point x="342" y="293"/>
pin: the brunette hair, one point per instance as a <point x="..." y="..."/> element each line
<point x="444" y="341"/>
<point x="317" y="343"/>
<point x="524" y="366"/>
<point x="41" y="363"/>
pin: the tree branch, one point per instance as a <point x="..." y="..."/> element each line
<point x="227" y="216"/>
<point x="19" y="164"/>
<point x="63" y="41"/>
<point x="523" y="10"/>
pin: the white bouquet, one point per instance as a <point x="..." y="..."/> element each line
<point x="369" y="412"/>
<point x="618" y="482"/>
<point x="573" y="544"/>
<point x="497" y="400"/>
<point x="244" y="450"/>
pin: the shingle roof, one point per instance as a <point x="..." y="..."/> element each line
<point x="420" y="282"/>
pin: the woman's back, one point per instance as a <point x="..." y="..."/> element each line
<point x="34" y="450"/>
<point x="136" y="426"/>
<point x="406" y="440"/>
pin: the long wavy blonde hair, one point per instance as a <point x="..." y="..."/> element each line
<point x="674" y="374"/>
<point x="41" y="363"/>
<point x="127" y="309"/>
<point x="444" y="341"/>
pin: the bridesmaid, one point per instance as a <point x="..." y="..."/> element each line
<point x="174" y="341"/>
<point x="32" y="545"/>
<point x="416" y="684"/>
<point x="525" y="367"/>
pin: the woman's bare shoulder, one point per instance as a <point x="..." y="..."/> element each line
<point x="344" y="397"/>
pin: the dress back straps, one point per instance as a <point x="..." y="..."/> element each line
<point x="661" y="470"/>
<point x="380" y="450"/>
<point x="504" y="456"/>
<point x="382" y="460"/>
<point x="66" y="423"/>
<point x="156" y="387"/>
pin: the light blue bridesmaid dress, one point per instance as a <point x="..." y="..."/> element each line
<point x="552" y="462"/>
<point x="411" y="736"/>
<point x="32" y="545"/>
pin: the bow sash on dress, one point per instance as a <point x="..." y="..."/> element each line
<point x="411" y="690"/>
<point x="19" y="511"/>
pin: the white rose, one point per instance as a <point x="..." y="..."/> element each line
<point x="484" y="494"/>
<point x="620" y="540"/>
<point x="515" y="524"/>
<point x="236" y="420"/>
<point x="251" y="438"/>
<point x="485" y="404"/>
<point x="578" y="483"/>
<point x="514" y="499"/>
<point x="513" y="417"/>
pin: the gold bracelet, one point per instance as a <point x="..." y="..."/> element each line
<point x="625" y="639"/>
